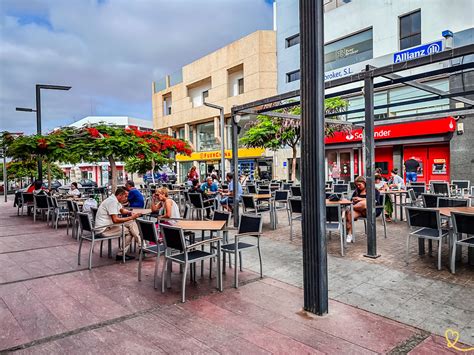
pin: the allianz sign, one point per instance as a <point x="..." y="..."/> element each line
<point x="416" y="52"/>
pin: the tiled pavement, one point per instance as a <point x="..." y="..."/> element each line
<point x="50" y="305"/>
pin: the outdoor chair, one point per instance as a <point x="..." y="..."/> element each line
<point x="251" y="189"/>
<point x="341" y="189"/>
<point x="262" y="191"/>
<point x="418" y="189"/>
<point x="177" y="251"/>
<point x="26" y="200"/>
<point x="221" y="216"/>
<point x="295" y="191"/>
<point x="463" y="223"/>
<point x="378" y="206"/>
<point x="339" y="182"/>
<point x="40" y="205"/>
<point x="430" y="200"/>
<point x="412" y="199"/>
<point x="86" y="227"/>
<point x="250" y="226"/>
<point x="286" y="186"/>
<point x="148" y="234"/>
<point x="59" y="213"/>
<point x="250" y="205"/>
<point x="453" y="202"/>
<point x="281" y="203"/>
<point x="295" y="212"/>
<point x="461" y="186"/>
<point x="334" y="222"/>
<point x="73" y="209"/>
<point x="50" y="211"/>
<point x="274" y="187"/>
<point x="197" y="204"/>
<point x="425" y="223"/>
<point x="440" y="188"/>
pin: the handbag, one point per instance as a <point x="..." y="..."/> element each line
<point x="334" y="197"/>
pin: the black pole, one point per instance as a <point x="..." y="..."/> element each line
<point x="235" y="166"/>
<point x="38" y="126"/>
<point x="370" y="164"/>
<point x="315" y="277"/>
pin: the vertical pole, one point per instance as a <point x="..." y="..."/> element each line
<point x="38" y="127"/>
<point x="370" y="163"/>
<point x="235" y="166"/>
<point x="5" y="178"/>
<point x="315" y="278"/>
<point x="222" y="144"/>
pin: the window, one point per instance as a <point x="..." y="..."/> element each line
<point x="205" y="95"/>
<point x="205" y="137"/>
<point x="240" y="83"/>
<point x="167" y="105"/>
<point x="292" y="76"/>
<point x="191" y="135"/>
<point x="199" y="91"/>
<point x="348" y="50"/>
<point x="181" y="133"/>
<point x="293" y="40"/>
<point x="410" y="30"/>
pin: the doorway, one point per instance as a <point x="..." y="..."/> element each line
<point x="344" y="160"/>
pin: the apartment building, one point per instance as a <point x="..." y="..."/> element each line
<point x="241" y="72"/>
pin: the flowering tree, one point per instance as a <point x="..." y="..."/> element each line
<point x="275" y="133"/>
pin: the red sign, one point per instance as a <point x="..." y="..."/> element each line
<point x="410" y="129"/>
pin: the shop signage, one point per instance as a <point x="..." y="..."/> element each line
<point x="216" y="155"/>
<point x="409" y="129"/>
<point x="416" y="52"/>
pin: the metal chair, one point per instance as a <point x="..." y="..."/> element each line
<point x="334" y="222"/>
<point x="40" y="204"/>
<point x="59" y="213"/>
<point x="86" y="226"/>
<point x="341" y="189"/>
<point x="281" y="203"/>
<point x="286" y="186"/>
<point x="250" y="205"/>
<point x="461" y="186"/>
<point x="295" y="191"/>
<point x="250" y="226"/>
<point x="418" y="189"/>
<point x="379" y="207"/>
<point x="73" y="209"/>
<point x="453" y="202"/>
<point x="295" y="212"/>
<point x="427" y="222"/>
<point x="177" y="251"/>
<point x="26" y="200"/>
<point x="440" y="188"/>
<point x="148" y="234"/>
<point x="430" y="200"/>
<point x="251" y="189"/>
<point x="197" y="204"/>
<point x="463" y="223"/>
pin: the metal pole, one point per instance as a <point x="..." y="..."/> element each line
<point x="370" y="164"/>
<point x="222" y="145"/>
<point x="315" y="277"/>
<point x="38" y="126"/>
<point x="5" y="178"/>
<point x="235" y="166"/>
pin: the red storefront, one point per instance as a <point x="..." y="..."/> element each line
<point x="426" y="141"/>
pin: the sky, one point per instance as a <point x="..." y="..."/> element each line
<point x="108" y="51"/>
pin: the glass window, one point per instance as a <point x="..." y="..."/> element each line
<point x="241" y="85"/>
<point x="293" y="40"/>
<point x="292" y="76"/>
<point x="410" y="30"/>
<point x="181" y="133"/>
<point x="191" y="134"/>
<point x="205" y="137"/>
<point x="349" y="50"/>
<point x="166" y="105"/>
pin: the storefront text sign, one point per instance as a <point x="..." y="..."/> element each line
<point x="416" y="52"/>
<point x="216" y="155"/>
<point x="409" y="129"/>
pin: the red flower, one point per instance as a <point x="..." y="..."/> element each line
<point x="62" y="145"/>
<point x="141" y="156"/>
<point x="42" y="143"/>
<point x="94" y="132"/>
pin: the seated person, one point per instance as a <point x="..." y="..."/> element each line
<point x="382" y="186"/>
<point x="36" y="187"/>
<point x="73" y="190"/>
<point x="359" y="205"/>
<point x="135" y="197"/>
<point x="163" y="206"/>
<point x="109" y="212"/>
<point x="209" y="187"/>
<point x="196" y="188"/>
<point x="396" y="182"/>
<point x="228" y="195"/>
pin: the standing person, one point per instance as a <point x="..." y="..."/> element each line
<point x="135" y="197"/>
<point x="108" y="214"/>
<point x="229" y="194"/>
<point x="192" y="175"/>
<point x="335" y="172"/>
<point x="396" y="182"/>
<point x="74" y="190"/>
<point x="412" y="167"/>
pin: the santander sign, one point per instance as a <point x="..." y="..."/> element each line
<point x="408" y="129"/>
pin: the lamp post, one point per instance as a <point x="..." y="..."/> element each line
<point x="3" y="152"/>
<point x="221" y="109"/>
<point x="38" y="113"/>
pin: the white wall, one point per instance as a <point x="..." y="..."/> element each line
<point x="233" y="80"/>
<point x="195" y="94"/>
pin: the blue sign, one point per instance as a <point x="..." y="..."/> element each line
<point x="416" y="52"/>
<point x="284" y="164"/>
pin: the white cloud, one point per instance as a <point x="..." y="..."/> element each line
<point x="109" y="52"/>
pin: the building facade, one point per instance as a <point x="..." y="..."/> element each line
<point x="378" y="33"/>
<point x="240" y="72"/>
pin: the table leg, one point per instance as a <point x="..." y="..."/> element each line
<point x="401" y="205"/>
<point x="421" y="246"/>
<point x="470" y="256"/>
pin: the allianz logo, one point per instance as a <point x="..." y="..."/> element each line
<point x="418" y="52"/>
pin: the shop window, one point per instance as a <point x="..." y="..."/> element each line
<point x="183" y="171"/>
<point x="410" y="30"/>
<point x="205" y="137"/>
<point x="292" y="76"/>
<point x="292" y="41"/>
<point x="235" y="80"/>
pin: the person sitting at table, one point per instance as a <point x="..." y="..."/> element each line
<point x="36" y="187"/>
<point x="382" y="186"/>
<point x="135" y="197"/>
<point x="110" y="212"/>
<point x="396" y="182"/>
<point x="164" y="206"/>
<point x="359" y="205"/>
<point x="228" y="195"/>
<point x="209" y="187"/>
<point x="74" y="190"/>
<point x="196" y="188"/>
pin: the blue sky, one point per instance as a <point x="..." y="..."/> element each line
<point x="109" y="51"/>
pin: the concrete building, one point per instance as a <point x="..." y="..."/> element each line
<point x="381" y="32"/>
<point x="240" y="72"/>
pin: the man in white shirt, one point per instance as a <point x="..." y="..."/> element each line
<point x="108" y="214"/>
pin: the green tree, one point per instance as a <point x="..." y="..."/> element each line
<point x="275" y="133"/>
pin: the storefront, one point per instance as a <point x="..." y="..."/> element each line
<point x="210" y="162"/>
<point x="426" y="141"/>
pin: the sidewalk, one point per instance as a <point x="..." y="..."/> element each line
<point x="50" y="305"/>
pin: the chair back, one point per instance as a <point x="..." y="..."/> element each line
<point x="94" y="212"/>
<point x="251" y="189"/>
<point x="281" y="196"/>
<point x="147" y="230"/>
<point x="461" y="184"/>
<point x="41" y="201"/>
<point x="463" y="223"/>
<point x="333" y="213"/>
<point x="412" y="195"/>
<point x="423" y="217"/>
<point x="264" y="187"/>
<point x="274" y="187"/>
<point x="329" y="184"/>
<point x="85" y="221"/>
<point x="295" y="190"/>
<point x="453" y="202"/>
<point x="248" y="202"/>
<point x="430" y="200"/>
<point x="416" y="183"/>
<point x="440" y="188"/>
<point x="286" y="186"/>
<point x="264" y="191"/>
<point x="418" y="189"/>
<point x="27" y="197"/>
<point x="50" y="202"/>
<point x="173" y="237"/>
<point x="250" y="223"/>
<point x="352" y="186"/>
<point x="295" y="205"/>
<point x="70" y="206"/>
<point x="221" y="216"/>
<point x="196" y="199"/>
<point x="339" y="182"/>
<point x="341" y="188"/>
<point x="54" y="202"/>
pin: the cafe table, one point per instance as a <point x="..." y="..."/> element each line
<point x="143" y="211"/>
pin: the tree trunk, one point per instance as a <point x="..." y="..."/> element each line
<point x="293" y="164"/>
<point x="48" y="164"/>
<point x="113" y="171"/>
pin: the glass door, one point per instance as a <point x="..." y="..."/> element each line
<point x="344" y="160"/>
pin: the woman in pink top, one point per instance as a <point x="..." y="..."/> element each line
<point x="335" y="172"/>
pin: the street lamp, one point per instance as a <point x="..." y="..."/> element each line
<point x="38" y="113"/>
